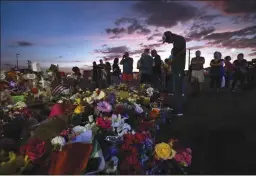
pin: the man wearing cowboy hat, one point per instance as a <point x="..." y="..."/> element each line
<point x="178" y="67"/>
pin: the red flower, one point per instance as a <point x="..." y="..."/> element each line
<point x="34" y="90"/>
<point x="128" y="138"/>
<point x="132" y="160"/>
<point x="129" y="148"/>
<point x="140" y="137"/>
<point x="35" y="149"/>
<point x="103" y="123"/>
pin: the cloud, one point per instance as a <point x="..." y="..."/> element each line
<point x="196" y="47"/>
<point x="197" y="32"/>
<point x="21" y="44"/>
<point x="235" y="7"/>
<point x="116" y="30"/>
<point x="132" y="26"/>
<point x="24" y="43"/>
<point x="252" y="54"/>
<point x="112" y="50"/>
<point x="234" y="39"/>
<point x="165" y="14"/>
<point x="151" y="46"/>
<point x="151" y="37"/>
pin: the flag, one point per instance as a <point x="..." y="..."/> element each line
<point x="57" y="87"/>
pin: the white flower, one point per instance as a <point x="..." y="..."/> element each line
<point x="60" y="101"/>
<point x="89" y="100"/>
<point x="138" y="108"/>
<point x="58" y="140"/>
<point x="124" y="129"/>
<point x="75" y="96"/>
<point x="66" y="91"/>
<point x="91" y="119"/>
<point x="117" y="121"/>
<point x="20" y="104"/>
<point x="150" y="91"/>
<point x="10" y="106"/>
<point x="79" y="129"/>
<point x="89" y="126"/>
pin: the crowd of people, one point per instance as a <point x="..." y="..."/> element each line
<point x="168" y="75"/>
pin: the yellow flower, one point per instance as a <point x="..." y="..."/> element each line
<point x="78" y="100"/>
<point x="12" y="157"/>
<point x="79" y="109"/>
<point x="164" y="151"/>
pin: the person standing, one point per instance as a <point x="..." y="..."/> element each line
<point x="178" y="67"/>
<point x="102" y="75"/>
<point x="228" y="71"/>
<point x="240" y="67"/>
<point x="197" y="71"/>
<point x="157" y="69"/>
<point x="216" y="71"/>
<point x="116" y="72"/>
<point x="146" y="64"/>
<point x="95" y="74"/>
<point x="108" y="70"/>
<point x="127" y="63"/>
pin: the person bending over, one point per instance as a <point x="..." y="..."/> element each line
<point x="178" y="66"/>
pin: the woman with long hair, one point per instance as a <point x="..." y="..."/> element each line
<point x="216" y="71"/>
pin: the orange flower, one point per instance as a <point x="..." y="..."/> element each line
<point x="154" y="113"/>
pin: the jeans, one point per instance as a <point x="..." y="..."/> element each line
<point x="178" y="90"/>
<point x="215" y="82"/>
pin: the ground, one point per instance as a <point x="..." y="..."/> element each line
<point x="220" y="129"/>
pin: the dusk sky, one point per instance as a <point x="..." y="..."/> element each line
<point x="77" y="33"/>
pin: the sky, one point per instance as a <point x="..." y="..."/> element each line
<point x="76" y="33"/>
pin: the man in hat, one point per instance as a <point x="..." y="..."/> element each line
<point x="178" y="67"/>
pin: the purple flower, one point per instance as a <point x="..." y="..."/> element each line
<point x="104" y="106"/>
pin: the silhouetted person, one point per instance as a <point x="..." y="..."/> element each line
<point x="178" y="66"/>
<point x="216" y="71"/>
<point x="95" y="74"/>
<point x="116" y="72"/>
<point x="228" y="71"/>
<point x="240" y="67"/>
<point x="146" y="64"/>
<point x="197" y="70"/>
<point x="127" y="63"/>
<point x="108" y="70"/>
<point x="157" y="69"/>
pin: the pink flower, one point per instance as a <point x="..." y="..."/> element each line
<point x="184" y="157"/>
